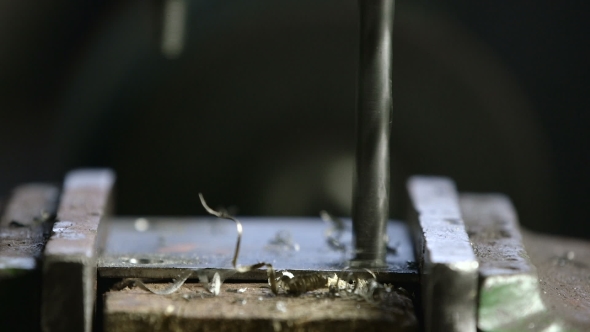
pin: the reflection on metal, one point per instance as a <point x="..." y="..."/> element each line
<point x="283" y="241"/>
<point x="508" y="284"/>
<point x="174" y="26"/>
<point x="449" y="266"/>
<point x="173" y="244"/>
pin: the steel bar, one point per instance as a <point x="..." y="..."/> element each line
<point x="448" y="264"/>
<point x="162" y="247"/>
<point x="69" y="267"/>
<point x="23" y="228"/>
<point x="371" y="182"/>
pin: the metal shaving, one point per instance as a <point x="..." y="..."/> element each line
<point x="241" y="269"/>
<point x="177" y="283"/>
<point x="215" y="285"/>
<point x="334" y="232"/>
<point x="283" y="241"/>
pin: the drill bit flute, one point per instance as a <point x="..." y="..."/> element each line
<point x="371" y="179"/>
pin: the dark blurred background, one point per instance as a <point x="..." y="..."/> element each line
<point x="258" y="109"/>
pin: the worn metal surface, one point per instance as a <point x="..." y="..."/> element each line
<point x="563" y="266"/>
<point x="69" y="267"/>
<point x="160" y="247"/>
<point x="370" y="210"/>
<point x="252" y="307"/>
<point x="24" y="226"/>
<point x="23" y="229"/>
<point x="448" y="266"/>
<point x="29" y="205"/>
<point x="509" y="293"/>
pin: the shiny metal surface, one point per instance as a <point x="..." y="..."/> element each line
<point x="448" y="266"/>
<point x="160" y="247"/>
<point x="370" y="210"/>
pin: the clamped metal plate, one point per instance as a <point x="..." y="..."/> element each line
<point x="162" y="247"/>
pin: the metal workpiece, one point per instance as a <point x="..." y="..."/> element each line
<point x="24" y="225"/>
<point x="164" y="247"/>
<point x="509" y="293"/>
<point x="448" y="267"/>
<point x="371" y="178"/>
<point x="69" y="267"/>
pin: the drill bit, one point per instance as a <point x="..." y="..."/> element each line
<point x="370" y="210"/>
